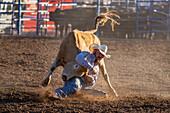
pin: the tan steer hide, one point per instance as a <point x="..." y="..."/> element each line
<point x="78" y="41"/>
<point x="70" y="47"/>
<point x="74" y="43"/>
<point x="73" y="69"/>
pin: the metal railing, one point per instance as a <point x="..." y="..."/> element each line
<point x="150" y="17"/>
<point x="153" y="16"/>
<point x="6" y="15"/>
<point x="16" y="24"/>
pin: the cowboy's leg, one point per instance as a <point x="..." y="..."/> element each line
<point x="73" y="85"/>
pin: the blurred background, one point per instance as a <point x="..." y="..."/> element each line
<point x="148" y="19"/>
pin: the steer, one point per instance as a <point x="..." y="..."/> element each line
<point x="78" y="41"/>
<point x="72" y="69"/>
<point x="70" y="47"/>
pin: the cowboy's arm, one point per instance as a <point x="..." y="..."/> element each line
<point x="81" y="59"/>
<point x="106" y="76"/>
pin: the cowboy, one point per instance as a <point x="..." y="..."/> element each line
<point x="90" y="60"/>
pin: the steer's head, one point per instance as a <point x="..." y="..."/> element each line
<point x="72" y="69"/>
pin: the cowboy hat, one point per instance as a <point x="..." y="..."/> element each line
<point x="101" y="48"/>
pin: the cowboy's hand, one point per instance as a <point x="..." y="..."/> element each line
<point x="93" y="71"/>
<point x="89" y="78"/>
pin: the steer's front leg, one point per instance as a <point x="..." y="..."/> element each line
<point x="106" y="76"/>
<point x="47" y="79"/>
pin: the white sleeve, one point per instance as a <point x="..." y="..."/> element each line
<point x="81" y="59"/>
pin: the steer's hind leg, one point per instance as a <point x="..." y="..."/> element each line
<point x="47" y="79"/>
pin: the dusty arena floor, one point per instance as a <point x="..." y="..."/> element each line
<point x="139" y="70"/>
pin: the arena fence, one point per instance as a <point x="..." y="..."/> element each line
<point x="14" y="15"/>
<point x="153" y="16"/>
<point x="36" y="17"/>
<point x="139" y="18"/>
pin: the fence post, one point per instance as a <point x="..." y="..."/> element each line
<point x="137" y="16"/>
<point x="150" y="20"/>
<point x="74" y="1"/>
<point x="37" y="30"/>
<point x="0" y="7"/>
<point x="97" y="13"/>
<point x="19" y="18"/>
<point x="59" y="4"/>
<point x="127" y="4"/>
<point x="168" y="37"/>
<point x="12" y="17"/>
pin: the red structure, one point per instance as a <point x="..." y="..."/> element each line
<point x="30" y="26"/>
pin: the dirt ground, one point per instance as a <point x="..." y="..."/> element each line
<point x="139" y="70"/>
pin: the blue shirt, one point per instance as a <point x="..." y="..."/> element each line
<point x="87" y="59"/>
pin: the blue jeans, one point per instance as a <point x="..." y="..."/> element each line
<point x="73" y="85"/>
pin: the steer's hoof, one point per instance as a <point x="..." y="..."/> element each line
<point x="46" y="81"/>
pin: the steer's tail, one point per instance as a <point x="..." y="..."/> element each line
<point x="102" y="19"/>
